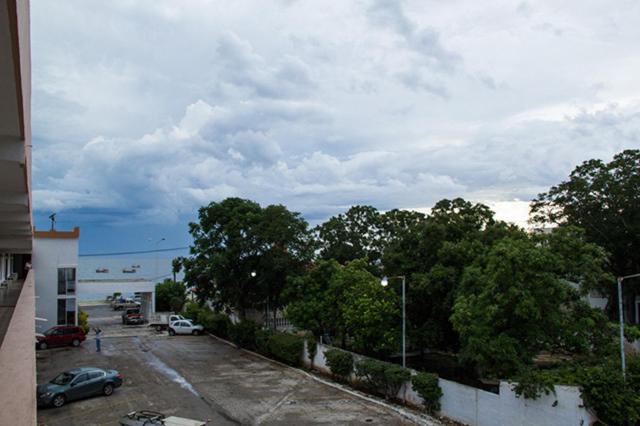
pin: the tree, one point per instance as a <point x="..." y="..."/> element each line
<point x="235" y="238"/>
<point x="604" y="200"/>
<point x="170" y="296"/>
<point x="433" y="254"/>
<point x="352" y="235"/>
<point x="517" y="300"/>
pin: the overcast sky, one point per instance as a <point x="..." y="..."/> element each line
<point x="145" y="110"/>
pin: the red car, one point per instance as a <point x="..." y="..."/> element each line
<point x="61" y="335"/>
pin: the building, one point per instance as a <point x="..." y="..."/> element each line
<point x="17" y="301"/>
<point x="55" y="264"/>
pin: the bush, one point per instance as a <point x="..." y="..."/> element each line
<point x="83" y="321"/>
<point x="427" y="386"/>
<point x="378" y="376"/>
<point x="243" y="334"/>
<point x="170" y="296"/>
<point x="312" y="347"/>
<point x="262" y="341"/>
<point x="287" y="348"/>
<point x="340" y="362"/>
<point x="192" y="311"/>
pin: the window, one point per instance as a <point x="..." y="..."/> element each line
<point x="81" y="378"/>
<point x="66" y="311"/>
<point x="95" y="375"/>
<point x="66" y="281"/>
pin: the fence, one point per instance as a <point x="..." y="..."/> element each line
<point x="477" y="407"/>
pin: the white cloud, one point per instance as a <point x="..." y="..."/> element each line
<point x="149" y="110"/>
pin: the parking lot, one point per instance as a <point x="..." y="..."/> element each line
<point x="201" y="378"/>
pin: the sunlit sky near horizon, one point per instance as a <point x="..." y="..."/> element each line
<point x="142" y="111"/>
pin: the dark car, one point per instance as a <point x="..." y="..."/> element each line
<point x="61" y="335"/>
<point x="78" y="383"/>
<point x="133" y="316"/>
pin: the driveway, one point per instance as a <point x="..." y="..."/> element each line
<point x="202" y="378"/>
<point x="110" y="322"/>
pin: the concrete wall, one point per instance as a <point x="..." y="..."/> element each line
<point x="18" y="362"/>
<point x="49" y="254"/>
<point x="480" y="408"/>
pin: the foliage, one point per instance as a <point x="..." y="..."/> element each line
<point x="308" y="298"/>
<point x="379" y="376"/>
<point x="287" y="348"/>
<point x="170" y="296"/>
<point x="83" y="321"/>
<point x="428" y="387"/>
<point x="236" y="237"/>
<point x="347" y="301"/>
<point x="515" y="301"/>
<point x="369" y="310"/>
<point x="602" y="387"/>
<point x="312" y="346"/>
<point x="340" y="362"/>
<point x="262" y="341"/>
<point x="243" y="334"/>
<point x="432" y="254"/>
<point x="604" y="200"/>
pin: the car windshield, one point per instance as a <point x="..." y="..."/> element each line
<point x="63" y="379"/>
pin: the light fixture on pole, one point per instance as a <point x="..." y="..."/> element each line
<point x="385" y="282"/>
<point x="621" y="318"/>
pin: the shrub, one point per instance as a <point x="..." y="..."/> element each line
<point x="312" y="347"/>
<point x="427" y="386"/>
<point x="287" y="348"/>
<point x="83" y="321"/>
<point x="219" y="325"/>
<point x="614" y="401"/>
<point x="378" y="376"/>
<point x="340" y="362"/>
<point x="243" y="334"/>
<point x="192" y="311"/>
<point x="262" y="341"/>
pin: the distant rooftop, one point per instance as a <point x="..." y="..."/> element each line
<point x="53" y="233"/>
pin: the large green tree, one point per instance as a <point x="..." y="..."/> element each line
<point x="522" y="297"/>
<point x="603" y="199"/>
<point x="242" y="253"/>
<point x="170" y="296"/>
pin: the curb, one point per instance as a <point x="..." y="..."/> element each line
<point x="417" y="418"/>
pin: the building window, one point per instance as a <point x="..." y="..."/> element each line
<point x="66" y="311"/>
<point x="66" y="281"/>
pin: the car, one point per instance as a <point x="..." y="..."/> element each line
<point x="78" y="383"/>
<point x="133" y="316"/>
<point x="121" y="303"/>
<point x="185" y="327"/>
<point x="61" y="335"/>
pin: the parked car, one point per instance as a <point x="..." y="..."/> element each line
<point x="152" y="418"/>
<point x="185" y="327"/>
<point x="78" y="383"/>
<point x="61" y="335"/>
<point x="161" y="321"/>
<point x="120" y="304"/>
<point x="132" y="316"/>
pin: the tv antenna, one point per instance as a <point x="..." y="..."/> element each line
<point x="52" y="217"/>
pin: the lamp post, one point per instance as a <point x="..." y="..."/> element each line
<point x="385" y="282"/>
<point x="621" y="317"/>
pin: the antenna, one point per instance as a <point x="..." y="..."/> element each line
<point x="53" y="221"/>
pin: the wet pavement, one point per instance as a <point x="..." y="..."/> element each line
<point x="201" y="378"/>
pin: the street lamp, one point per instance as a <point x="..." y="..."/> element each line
<point x="621" y="316"/>
<point x="385" y="282"/>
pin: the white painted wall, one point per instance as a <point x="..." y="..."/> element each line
<point x="49" y="254"/>
<point x="477" y="407"/>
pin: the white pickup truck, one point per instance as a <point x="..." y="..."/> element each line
<point x="161" y="321"/>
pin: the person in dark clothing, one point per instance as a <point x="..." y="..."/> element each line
<point x="98" y="336"/>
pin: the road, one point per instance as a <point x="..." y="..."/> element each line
<point x="202" y="378"/>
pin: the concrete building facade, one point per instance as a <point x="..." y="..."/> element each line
<point x="55" y="264"/>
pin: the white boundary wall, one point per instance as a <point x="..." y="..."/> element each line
<point x="477" y="407"/>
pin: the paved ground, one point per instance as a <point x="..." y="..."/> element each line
<point x="203" y="378"/>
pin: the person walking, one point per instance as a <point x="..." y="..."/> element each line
<point x="98" y="336"/>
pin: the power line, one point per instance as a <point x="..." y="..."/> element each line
<point x="134" y="252"/>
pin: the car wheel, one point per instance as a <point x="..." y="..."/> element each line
<point x="75" y="342"/>
<point x="43" y="345"/>
<point x="172" y="332"/>
<point x="195" y="332"/>
<point x="58" y="400"/>
<point x="107" y="389"/>
<point x="158" y="328"/>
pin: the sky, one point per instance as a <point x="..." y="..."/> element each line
<point x="143" y="111"/>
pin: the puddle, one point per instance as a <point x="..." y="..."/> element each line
<point x="172" y="374"/>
